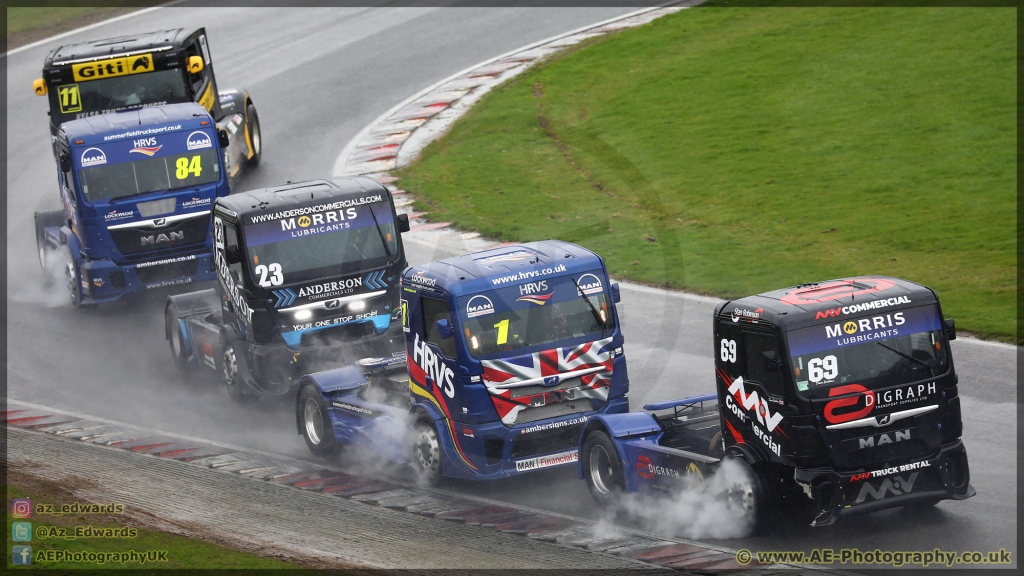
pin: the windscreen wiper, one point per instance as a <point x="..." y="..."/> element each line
<point x="380" y="232"/>
<point x="597" y="316"/>
<point x="911" y="358"/>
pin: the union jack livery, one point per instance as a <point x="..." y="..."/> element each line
<point x="548" y="377"/>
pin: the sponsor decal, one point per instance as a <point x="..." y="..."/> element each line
<point x="547" y="461"/>
<point x="830" y="409"/>
<point x="231" y="290"/>
<point x="147" y="146"/>
<point x="538" y="299"/>
<point x="334" y="321"/>
<point x="554" y="425"/>
<point x="419" y="278"/>
<point x="206" y="349"/>
<point x="136" y="64"/>
<point x="195" y="203"/>
<point x="855" y="308"/>
<point x="509" y="257"/>
<point x="166" y="261"/>
<point x="433" y="366"/>
<point x="93" y="157"/>
<point x="198" y="140"/>
<point x="352" y="408"/>
<point x="328" y="289"/>
<point x="890" y="471"/>
<point x="745" y="403"/>
<point x="153" y="239"/>
<point x="738" y="313"/>
<point x="909" y="395"/>
<point x="897" y="485"/>
<point x="528" y="275"/>
<point x="479" y="305"/>
<point x="115" y="215"/>
<point x="882" y="439"/>
<point x="883" y="420"/>
<point x="860" y="330"/>
<point x="590" y="284"/>
<point x="141" y="132"/>
<point x="834" y="290"/>
<point x="175" y="282"/>
<point x="319" y="208"/>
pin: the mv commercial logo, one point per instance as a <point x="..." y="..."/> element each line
<point x="479" y="305"/>
<point x="897" y="485"/>
<point x="198" y="140"/>
<point x="93" y="157"/>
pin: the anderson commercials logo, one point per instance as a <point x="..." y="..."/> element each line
<point x="198" y="140"/>
<point x="93" y="157"/>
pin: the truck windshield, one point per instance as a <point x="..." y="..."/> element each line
<point x="536" y="313"/>
<point x="81" y="99"/>
<point x="326" y="240"/>
<point x="170" y="172"/>
<point x="886" y="349"/>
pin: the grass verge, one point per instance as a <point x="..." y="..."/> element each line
<point x="51" y="533"/>
<point x="30" y="24"/>
<point x="732" y="151"/>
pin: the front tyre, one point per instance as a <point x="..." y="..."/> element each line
<point x="317" y="429"/>
<point x="175" y="338"/>
<point x="427" y="452"/>
<point x="72" y="281"/>
<point x="602" y="468"/>
<point x="747" y="494"/>
<point x="232" y="381"/>
<point x="46" y="220"/>
<point x="252" y="122"/>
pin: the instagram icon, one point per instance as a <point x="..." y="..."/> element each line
<point x="21" y="508"/>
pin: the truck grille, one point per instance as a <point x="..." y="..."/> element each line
<point x="337" y="334"/>
<point x="130" y="241"/>
<point x="546" y="441"/>
<point x="167" y="271"/>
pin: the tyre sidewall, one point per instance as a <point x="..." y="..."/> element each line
<point x="431" y="476"/>
<point x="594" y="440"/>
<point x="252" y="120"/>
<point x="765" y="501"/>
<point x="328" y="442"/>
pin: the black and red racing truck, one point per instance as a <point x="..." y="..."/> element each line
<point x="837" y="396"/>
<point x="307" y="276"/>
<point x="145" y="70"/>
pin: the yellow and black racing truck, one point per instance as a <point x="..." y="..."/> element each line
<point x="143" y="70"/>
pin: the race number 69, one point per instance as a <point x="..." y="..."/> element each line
<point x="728" y="350"/>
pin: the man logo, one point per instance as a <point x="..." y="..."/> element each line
<point x="198" y="140"/>
<point x="93" y="157"/>
<point x="304" y="221"/>
<point x="479" y="305"/>
<point x="333" y="304"/>
<point x="850" y="327"/>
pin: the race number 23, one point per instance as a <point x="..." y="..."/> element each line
<point x="184" y="167"/>
<point x="69" y="98"/>
<point x="273" y="271"/>
<point x="727" y="352"/>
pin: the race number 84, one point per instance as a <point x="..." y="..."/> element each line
<point x="185" y="166"/>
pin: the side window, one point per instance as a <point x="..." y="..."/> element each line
<point x="434" y="310"/>
<point x="763" y="363"/>
<point x="198" y="80"/>
<point x="230" y="241"/>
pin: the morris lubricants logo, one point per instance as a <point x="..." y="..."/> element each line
<point x="93" y="157"/>
<point x="479" y="306"/>
<point x="112" y="67"/>
<point x="304" y="221"/>
<point x="198" y="140"/>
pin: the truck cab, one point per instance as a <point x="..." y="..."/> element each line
<point x="145" y="70"/>
<point x="508" y="352"/>
<point x="307" y="275"/>
<point x="136" y="191"/>
<point x="850" y="386"/>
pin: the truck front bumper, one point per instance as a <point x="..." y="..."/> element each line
<point x="106" y="281"/>
<point x="838" y="494"/>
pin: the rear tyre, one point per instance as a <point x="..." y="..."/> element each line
<point x="252" y="120"/>
<point x="602" y="468"/>
<point x="175" y="338"/>
<point x="427" y="452"/>
<point x="45" y="220"/>
<point x="747" y="495"/>
<point x="232" y="381"/>
<point x="317" y="429"/>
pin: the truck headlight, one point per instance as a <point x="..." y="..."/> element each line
<point x="303" y="315"/>
<point x="357" y="305"/>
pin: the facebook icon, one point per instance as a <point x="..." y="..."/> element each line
<point x="21" y="555"/>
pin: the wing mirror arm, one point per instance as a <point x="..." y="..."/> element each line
<point x="950" y="329"/>
<point x="403" y="223"/>
<point x="233" y="254"/>
<point x="444" y="329"/>
<point x="223" y="138"/>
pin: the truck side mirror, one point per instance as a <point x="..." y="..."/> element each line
<point x="233" y="254"/>
<point x="65" y="162"/>
<point x="770" y="361"/>
<point x="615" y="292"/>
<point x="39" y="87"/>
<point x="444" y="329"/>
<point x="950" y="329"/>
<point x="195" y="64"/>
<point x="403" y="223"/>
<point x="223" y="138"/>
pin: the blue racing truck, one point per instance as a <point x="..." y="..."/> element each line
<point x="307" y="275"/>
<point x="508" y="353"/>
<point x="136" y="190"/>
<point x="837" y="398"/>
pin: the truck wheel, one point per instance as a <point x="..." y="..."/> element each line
<point x="427" y="452"/>
<point x="317" y="429"/>
<point x="175" y="338"/>
<point x="229" y="370"/>
<point x="252" y="120"/>
<point x="747" y="494"/>
<point x="72" y="282"/>
<point x="46" y="220"/>
<point x="602" y="468"/>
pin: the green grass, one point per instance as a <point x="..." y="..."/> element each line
<point x="181" y="552"/>
<point x="733" y="151"/>
<point x="44" y="18"/>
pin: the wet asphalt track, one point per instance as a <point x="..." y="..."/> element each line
<point x="318" y="76"/>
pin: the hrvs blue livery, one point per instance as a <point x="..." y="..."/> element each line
<point x="508" y="353"/>
<point x="136" y="191"/>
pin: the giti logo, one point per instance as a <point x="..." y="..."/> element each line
<point x="113" y="67"/>
<point x="304" y="221"/>
<point x="850" y="327"/>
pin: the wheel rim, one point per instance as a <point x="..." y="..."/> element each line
<point x="230" y="367"/>
<point x="42" y="257"/>
<point x="739" y="499"/>
<point x="601" y="469"/>
<point x="177" y="345"/>
<point x="314" y="424"/>
<point x="70" y="278"/>
<point x="428" y="451"/>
